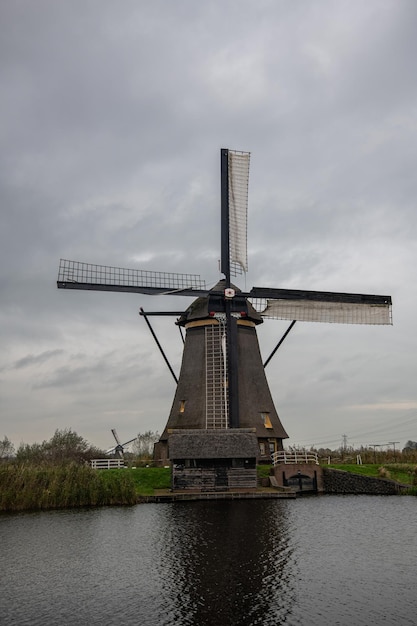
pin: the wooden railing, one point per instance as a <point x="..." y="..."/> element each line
<point x="107" y="463"/>
<point x="295" y="456"/>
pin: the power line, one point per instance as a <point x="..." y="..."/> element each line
<point x="395" y="427"/>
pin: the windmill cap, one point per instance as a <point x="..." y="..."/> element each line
<point x="204" y="307"/>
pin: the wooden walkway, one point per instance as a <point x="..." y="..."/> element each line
<point x="164" y="495"/>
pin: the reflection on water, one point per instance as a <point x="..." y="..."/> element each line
<point x="322" y="560"/>
<point x="223" y="568"/>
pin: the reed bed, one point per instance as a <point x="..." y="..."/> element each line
<point x="25" y="487"/>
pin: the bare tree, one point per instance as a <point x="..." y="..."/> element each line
<point x="142" y="447"/>
<point x="6" y="449"/>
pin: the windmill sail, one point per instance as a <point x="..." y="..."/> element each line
<point x="328" y="312"/>
<point x="234" y="211"/>
<point x="322" y="306"/>
<point x="79" y="275"/>
<point x="238" y="211"/>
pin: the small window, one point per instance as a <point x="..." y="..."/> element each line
<point x="266" y="420"/>
<point x="262" y="448"/>
<point x="182" y="406"/>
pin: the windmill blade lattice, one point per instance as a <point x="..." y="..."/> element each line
<point x="80" y="275"/>
<point x="238" y="183"/>
<point x="322" y="306"/>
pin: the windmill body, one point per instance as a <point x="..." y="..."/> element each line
<point x="201" y="400"/>
<point x="223" y="418"/>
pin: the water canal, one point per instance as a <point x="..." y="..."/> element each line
<point x="335" y="560"/>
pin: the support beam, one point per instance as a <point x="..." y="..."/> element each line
<point x="279" y="343"/>
<point x="144" y="315"/>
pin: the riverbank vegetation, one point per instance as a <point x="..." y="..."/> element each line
<point x="57" y="474"/>
<point x="403" y="473"/>
<point x="26" y="487"/>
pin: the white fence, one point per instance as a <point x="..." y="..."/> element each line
<point x="295" y="456"/>
<point x="107" y="463"/>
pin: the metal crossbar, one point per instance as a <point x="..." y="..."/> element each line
<point x="79" y="272"/>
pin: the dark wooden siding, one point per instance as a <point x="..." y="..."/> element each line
<point x="213" y="478"/>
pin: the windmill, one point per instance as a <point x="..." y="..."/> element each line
<point x="222" y="385"/>
<point x="118" y="449"/>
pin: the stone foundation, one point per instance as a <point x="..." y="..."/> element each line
<point x="313" y="478"/>
<point x="340" y="482"/>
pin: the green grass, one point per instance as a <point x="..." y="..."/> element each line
<point x="147" y="479"/>
<point x="263" y="471"/>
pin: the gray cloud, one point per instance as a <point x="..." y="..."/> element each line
<point x="111" y="121"/>
<point x="32" y="359"/>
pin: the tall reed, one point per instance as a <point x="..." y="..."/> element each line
<point x="24" y="487"/>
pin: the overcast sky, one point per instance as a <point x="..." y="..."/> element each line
<point x="112" y="116"/>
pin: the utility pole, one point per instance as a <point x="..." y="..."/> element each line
<point x="343" y="447"/>
<point x="392" y="443"/>
<point x="375" y="446"/>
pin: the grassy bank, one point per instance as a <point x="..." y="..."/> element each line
<point x="147" y="479"/>
<point x="28" y="487"/>
<point x="24" y="487"/>
<point x="404" y="473"/>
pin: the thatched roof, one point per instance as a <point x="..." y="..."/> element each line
<point x="213" y="444"/>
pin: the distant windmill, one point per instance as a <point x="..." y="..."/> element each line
<point x="118" y="449"/>
<point x="222" y="383"/>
